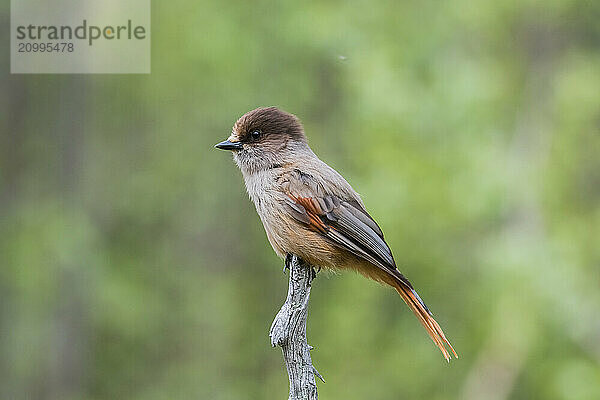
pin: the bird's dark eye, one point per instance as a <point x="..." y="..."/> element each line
<point x="255" y="134"/>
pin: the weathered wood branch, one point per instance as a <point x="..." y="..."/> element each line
<point x="289" y="331"/>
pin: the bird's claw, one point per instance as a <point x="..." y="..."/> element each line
<point x="287" y="262"/>
<point x="314" y="272"/>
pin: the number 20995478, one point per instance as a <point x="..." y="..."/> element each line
<point x="45" y="47"/>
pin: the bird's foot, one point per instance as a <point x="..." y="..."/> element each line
<point x="287" y="262"/>
<point x="314" y="272"/>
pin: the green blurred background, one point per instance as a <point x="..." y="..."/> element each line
<point x="133" y="265"/>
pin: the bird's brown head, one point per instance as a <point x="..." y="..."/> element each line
<point x="265" y="137"/>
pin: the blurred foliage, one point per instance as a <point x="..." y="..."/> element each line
<point x="133" y="265"/>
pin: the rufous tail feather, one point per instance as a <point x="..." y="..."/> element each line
<point x="434" y="330"/>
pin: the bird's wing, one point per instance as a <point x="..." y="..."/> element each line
<point x="344" y="224"/>
<point x="340" y="219"/>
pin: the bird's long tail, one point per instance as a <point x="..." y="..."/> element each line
<point x="412" y="299"/>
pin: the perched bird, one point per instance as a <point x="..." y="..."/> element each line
<point x="309" y="210"/>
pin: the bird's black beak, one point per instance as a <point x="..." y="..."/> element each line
<point x="227" y="145"/>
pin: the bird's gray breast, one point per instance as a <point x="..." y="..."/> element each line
<point x="265" y="192"/>
<point x="261" y="187"/>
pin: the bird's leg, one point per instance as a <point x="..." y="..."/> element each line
<point x="287" y="262"/>
<point x="314" y="272"/>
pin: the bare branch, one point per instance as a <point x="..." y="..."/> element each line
<point x="289" y="331"/>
